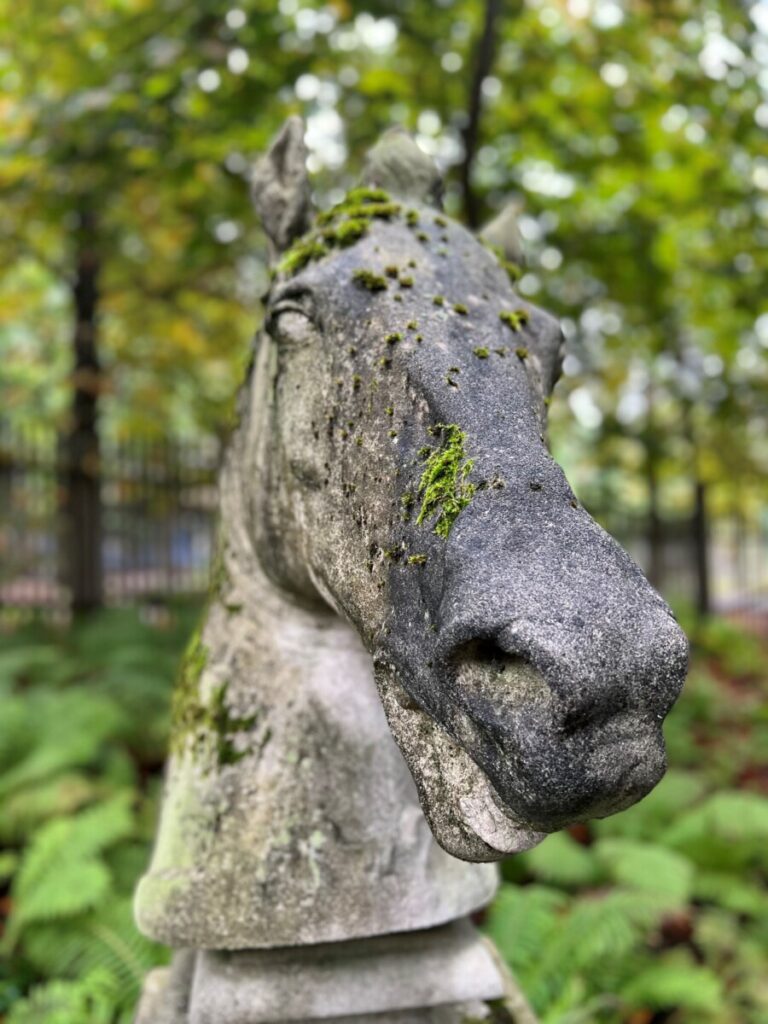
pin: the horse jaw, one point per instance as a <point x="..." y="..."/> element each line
<point x="458" y="800"/>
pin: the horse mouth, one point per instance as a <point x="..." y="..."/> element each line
<point x="465" y="813"/>
<point x="502" y="770"/>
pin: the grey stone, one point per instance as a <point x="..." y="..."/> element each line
<point x="389" y="502"/>
<point x="393" y="973"/>
<point x="165" y="994"/>
<point x="398" y="165"/>
<point x="503" y="233"/>
<point x="280" y="186"/>
<point x="315" y="834"/>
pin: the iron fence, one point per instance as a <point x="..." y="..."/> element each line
<point x="158" y="505"/>
<point x="158" y="511"/>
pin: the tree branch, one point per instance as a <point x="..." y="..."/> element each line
<point x="484" y="55"/>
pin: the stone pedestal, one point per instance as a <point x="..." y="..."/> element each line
<point x="442" y="976"/>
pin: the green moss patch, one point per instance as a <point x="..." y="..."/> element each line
<point x="187" y="712"/>
<point x="514" y="318"/>
<point x="444" y="488"/>
<point x="191" y="717"/>
<point x="339" y="227"/>
<point x="368" y="279"/>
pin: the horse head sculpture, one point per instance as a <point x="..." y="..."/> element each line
<point x="390" y="471"/>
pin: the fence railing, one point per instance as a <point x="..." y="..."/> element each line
<point x="158" y="505"/>
<point x="158" y="511"/>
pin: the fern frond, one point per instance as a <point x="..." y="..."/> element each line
<point x="105" y="940"/>
<point x="89" y="1000"/>
<point x="560" y="860"/>
<point x="667" y="874"/>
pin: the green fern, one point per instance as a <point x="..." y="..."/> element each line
<point x="61" y="873"/>
<point x="69" y="729"/>
<point x="728" y="830"/>
<point x="560" y="860"/>
<point x="677" y="983"/>
<point x="645" y="866"/>
<point x="106" y="939"/>
<point x="89" y="1000"/>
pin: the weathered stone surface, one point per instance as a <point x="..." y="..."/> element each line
<point x="165" y="994"/>
<point x="315" y="834"/>
<point x="393" y="973"/>
<point x="390" y="480"/>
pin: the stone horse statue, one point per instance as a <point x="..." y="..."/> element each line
<point x="394" y="534"/>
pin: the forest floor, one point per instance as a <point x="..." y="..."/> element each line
<point x="658" y="914"/>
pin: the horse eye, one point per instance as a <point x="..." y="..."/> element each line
<point x="288" y="317"/>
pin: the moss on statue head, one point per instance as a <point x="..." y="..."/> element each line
<point x="444" y="488"/>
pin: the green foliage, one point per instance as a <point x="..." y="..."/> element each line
<point x="83" y="732"/>
<point x="659" y="910"/>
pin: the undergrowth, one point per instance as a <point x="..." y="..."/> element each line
<point x="658" y="914"/>
<point x="83" y="733"/>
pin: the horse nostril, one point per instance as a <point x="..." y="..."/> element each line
<point x="487" y="654"/>
<point x="490" y="683"/>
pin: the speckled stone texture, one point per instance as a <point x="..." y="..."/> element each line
<point x="396" y="534"/>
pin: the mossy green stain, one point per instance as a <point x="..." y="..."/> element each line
<point x="369" y="280"/>
<point x="417" y="559"/>
<point x="188" y="713"/>
<point x="438" y="300"/>
<point x="339" y="227"/>
<point x="302" y="252"/>
<point x="514" y="318"/>
<point x="444" y="488"/>
<point x="481" y="352"/>
<point x="191" y="717"/>
<point x="460" y="308"/>
<point x="226" y="726"/>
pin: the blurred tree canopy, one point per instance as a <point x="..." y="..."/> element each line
<point x="633" y="135"/>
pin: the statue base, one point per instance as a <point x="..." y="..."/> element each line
<point x="441" y="976"/>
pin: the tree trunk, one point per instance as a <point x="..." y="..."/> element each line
<point x="484" y="54"/>
<point x="82" y="471"/>
<point x="700" y="539"/>
<point x="654" y="525"/>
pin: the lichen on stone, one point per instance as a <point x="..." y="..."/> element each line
<point x="417" y="559"/>
<point x="444" y="488"/>
<point x="339" y="227"/>
<point x="368" y="279"/>
<point x="225" y="726"/>
<point x="193" y="718"/>
<point x="187" y="711"/>
<point x="514" y="318"/>
<point x="481" y="352"/>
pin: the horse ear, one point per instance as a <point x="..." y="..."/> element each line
<point x="280" y="187"/>
<point x="550" y="353"/>
<point x="503" y="233"/>
<point x="398" y="165"/>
